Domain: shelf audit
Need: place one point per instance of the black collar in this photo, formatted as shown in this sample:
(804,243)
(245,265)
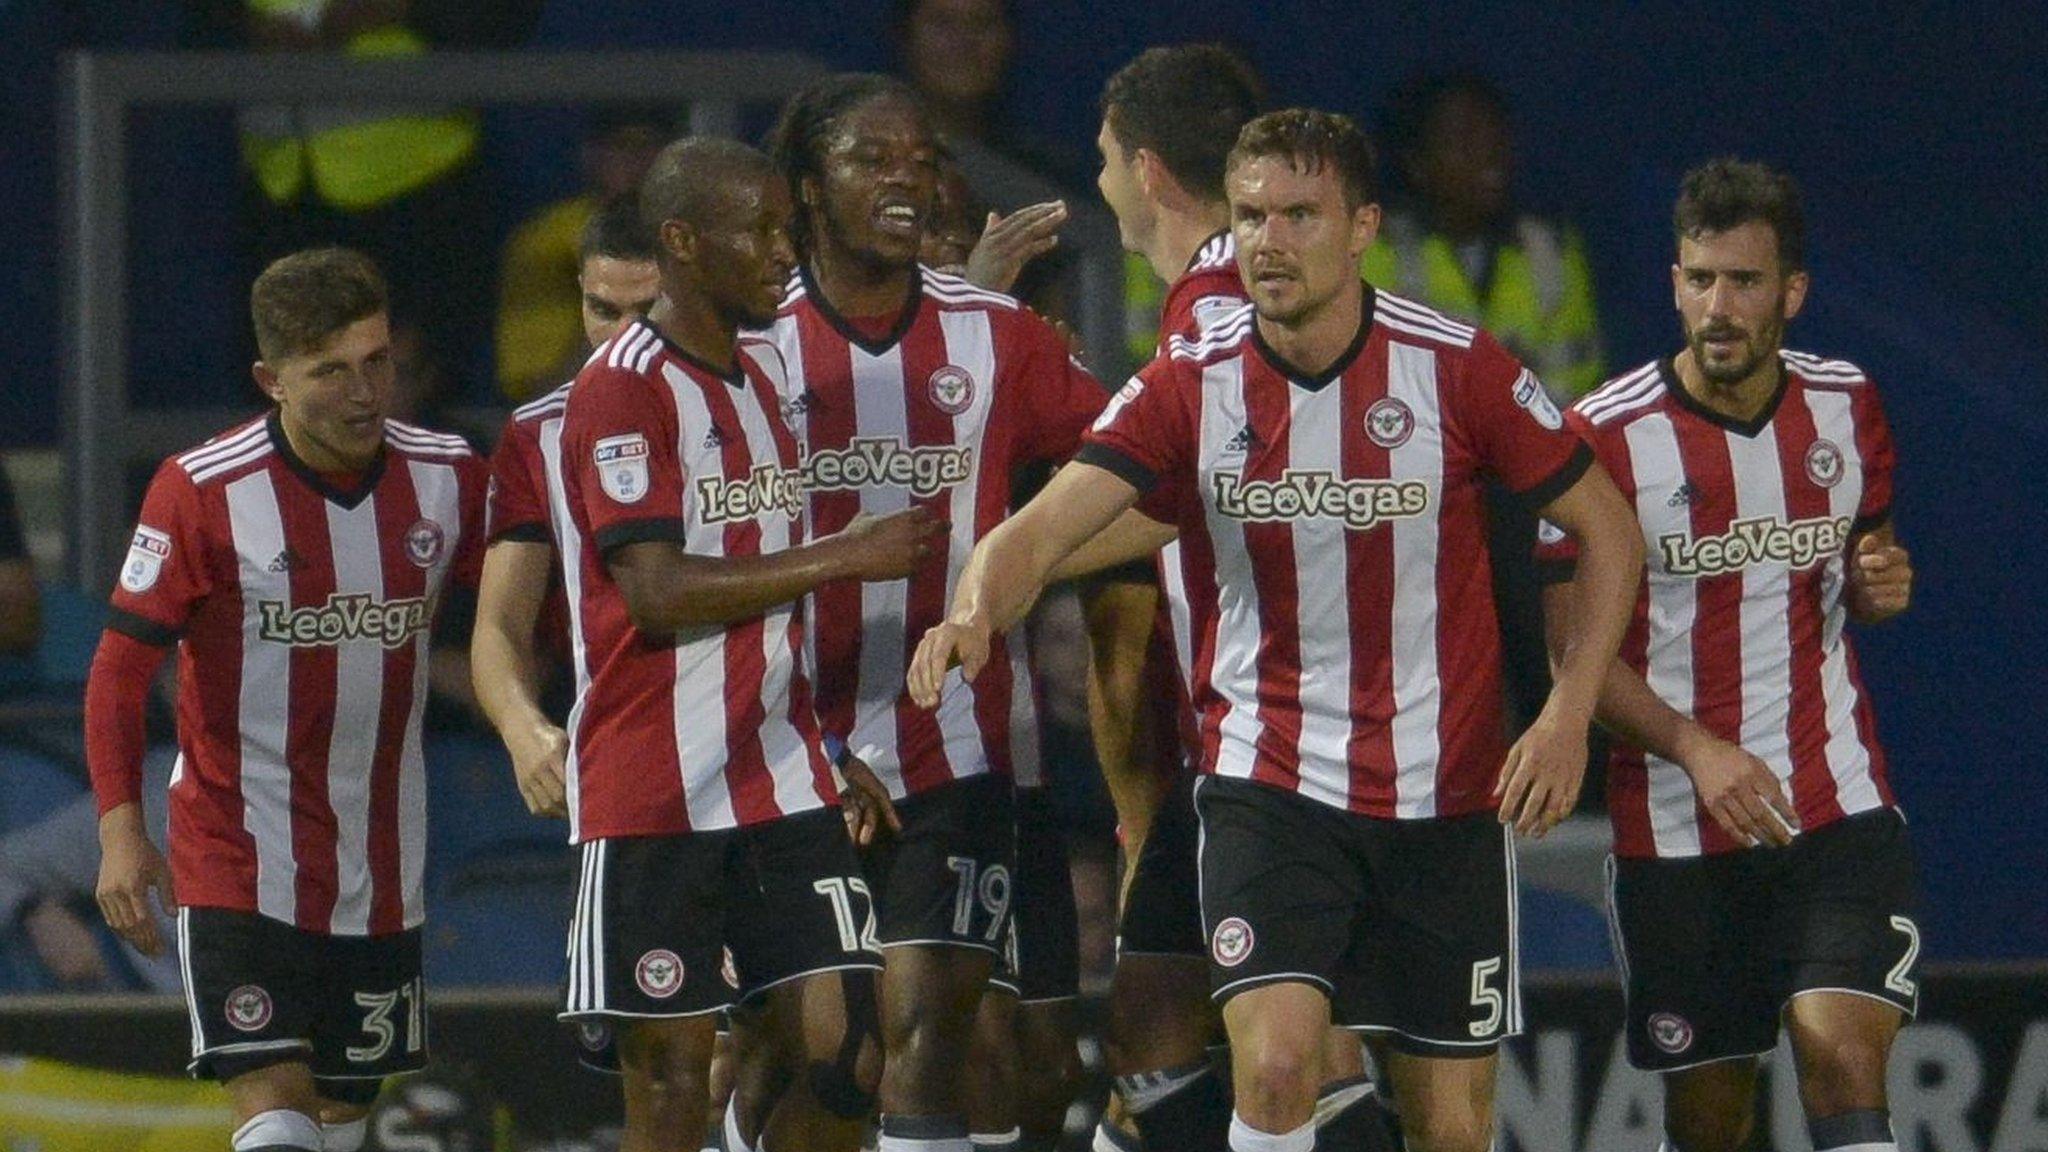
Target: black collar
(1318,381)
(904,319)
(1668,368)
(347,498)
(736,376)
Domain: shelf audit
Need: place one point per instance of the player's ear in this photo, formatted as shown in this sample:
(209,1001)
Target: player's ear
(678,239)
(267,380)
(1796,284)
(1365,228)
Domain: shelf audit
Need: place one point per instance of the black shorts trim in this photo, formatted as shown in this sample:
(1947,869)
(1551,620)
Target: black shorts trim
(1433,1049)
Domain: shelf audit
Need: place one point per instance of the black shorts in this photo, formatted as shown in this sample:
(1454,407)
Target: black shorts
(1713,947)
(1163,910)
(669,926)
(1042,961)
(946,877)
(260,992)
(1407,925)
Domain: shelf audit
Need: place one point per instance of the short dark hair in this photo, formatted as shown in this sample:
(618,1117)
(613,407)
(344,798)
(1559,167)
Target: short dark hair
(797,142)
(689,179)
(616,231)
(1727,193)
(1311,139)
(1185,104)
(303,299)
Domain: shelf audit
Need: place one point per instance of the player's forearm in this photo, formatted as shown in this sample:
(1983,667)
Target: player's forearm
(505,672)
(1134,536)
(1603,599)
(678,590)
(1628,707)
(1004,576)
(116,699)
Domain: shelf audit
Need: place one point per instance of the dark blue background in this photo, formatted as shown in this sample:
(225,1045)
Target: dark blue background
(1921,136)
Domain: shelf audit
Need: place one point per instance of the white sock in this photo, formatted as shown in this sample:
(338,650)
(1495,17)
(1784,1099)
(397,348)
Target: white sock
(1009,1141)
(734,1142)
(1245,1138)
(278,1128)
(347,1137)
(923,1134)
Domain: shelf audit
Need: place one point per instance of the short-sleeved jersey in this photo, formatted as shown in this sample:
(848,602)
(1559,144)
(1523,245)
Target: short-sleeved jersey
(938,413)
(712,726)
(1209,290)
(300,612)
(526,481)
(1739,623)
(1333,526)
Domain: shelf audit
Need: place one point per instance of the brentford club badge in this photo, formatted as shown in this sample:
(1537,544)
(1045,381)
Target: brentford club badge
(1231,943)
(951,389)
(424,542)
(1824,463)
(1389,423)
(1670,1033)
(659,973)
(248,1008)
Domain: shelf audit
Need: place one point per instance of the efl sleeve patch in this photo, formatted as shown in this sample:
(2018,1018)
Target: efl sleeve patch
(622,467)
(146,555)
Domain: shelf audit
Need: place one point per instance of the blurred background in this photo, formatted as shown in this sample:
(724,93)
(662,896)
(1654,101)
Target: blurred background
(142,187)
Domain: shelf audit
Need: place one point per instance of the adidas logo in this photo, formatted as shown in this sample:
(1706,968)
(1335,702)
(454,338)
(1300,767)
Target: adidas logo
(1683,496)
(716,438)
(286,561)
(1244,441)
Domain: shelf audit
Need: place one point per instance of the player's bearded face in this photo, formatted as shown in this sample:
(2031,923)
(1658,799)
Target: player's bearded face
(879,175)
(333,399)
(1298,243)
(748,257)
(1734,300)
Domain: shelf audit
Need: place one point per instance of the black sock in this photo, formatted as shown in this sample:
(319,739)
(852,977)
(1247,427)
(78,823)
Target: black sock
(1865,1128)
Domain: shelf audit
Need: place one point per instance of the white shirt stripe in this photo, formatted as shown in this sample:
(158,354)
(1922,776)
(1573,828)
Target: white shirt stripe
(1418,692)
(358,700)
(1653,450)
(265,701)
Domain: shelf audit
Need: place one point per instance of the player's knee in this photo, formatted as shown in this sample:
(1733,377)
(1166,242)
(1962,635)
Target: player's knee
(1278,1077)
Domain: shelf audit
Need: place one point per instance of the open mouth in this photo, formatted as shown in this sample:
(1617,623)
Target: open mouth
(898,219)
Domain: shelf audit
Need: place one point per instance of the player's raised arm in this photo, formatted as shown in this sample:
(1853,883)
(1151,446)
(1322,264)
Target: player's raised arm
(1011,564)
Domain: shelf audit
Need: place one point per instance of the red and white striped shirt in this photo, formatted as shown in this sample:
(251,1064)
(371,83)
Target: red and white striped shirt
(1739,622)
(1209,290)
(301,612)
(526,488)
(711,727)
(939,412)
(1333,528)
